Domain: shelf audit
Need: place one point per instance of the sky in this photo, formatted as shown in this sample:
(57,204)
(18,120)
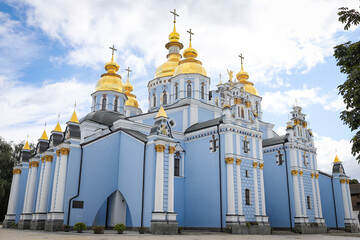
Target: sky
(52,54)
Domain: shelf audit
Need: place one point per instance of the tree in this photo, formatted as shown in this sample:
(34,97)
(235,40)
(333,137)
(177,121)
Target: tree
(354,181)
(7,162)
(347,56)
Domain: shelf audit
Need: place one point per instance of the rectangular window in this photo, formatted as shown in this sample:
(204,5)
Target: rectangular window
(177,167)
(308,202)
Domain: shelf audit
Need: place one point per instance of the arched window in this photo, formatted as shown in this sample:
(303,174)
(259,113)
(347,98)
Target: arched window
(176,91)
(188,90)
(202,91)
(177,164)
(154,100)
(247,197)
(242,113)
(116,104)
(164,98)
(308,202)
(103,105)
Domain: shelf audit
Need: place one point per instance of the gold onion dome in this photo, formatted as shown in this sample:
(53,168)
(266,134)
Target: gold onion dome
(243,77)
(173,58)
(131,101)
(190,64)
(110,80)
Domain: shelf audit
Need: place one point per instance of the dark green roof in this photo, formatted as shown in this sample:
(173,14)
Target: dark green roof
(206,124)
(275,140)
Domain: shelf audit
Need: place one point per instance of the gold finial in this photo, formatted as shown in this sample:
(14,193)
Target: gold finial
(112,55)
(220,78)
(175,15)
(161,113)
(230,75)
(190,33)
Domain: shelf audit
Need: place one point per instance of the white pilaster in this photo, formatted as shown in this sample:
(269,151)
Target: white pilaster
(314,195)
(256,190)
(42,208)
(27,189)
(344,197)
(348,195)
(318,194)
(159,178)
(32,187)
(230,185)
(296,193)
(40,185)
(303,195)
(185,119)
(55,181)
(14,191)
(60,193)
(262,189)
(171,180)
(196,88)
(194,118)
(253,149)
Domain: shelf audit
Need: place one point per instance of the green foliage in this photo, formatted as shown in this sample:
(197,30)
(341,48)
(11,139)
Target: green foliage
(98,229)
(142,229)
(314,225)
(79,227)
(354,181)
(180,228)
(66,227)
(249,224)
(120,227)
(347,56)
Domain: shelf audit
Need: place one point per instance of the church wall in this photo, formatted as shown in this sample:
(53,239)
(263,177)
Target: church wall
(179,197)
(327,201)
(98,179)
(205,115)
(72,177)
(276,192)
(22,188)
(202,198)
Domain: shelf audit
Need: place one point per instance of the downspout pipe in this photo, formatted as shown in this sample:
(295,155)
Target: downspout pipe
(220,189)
(287,183)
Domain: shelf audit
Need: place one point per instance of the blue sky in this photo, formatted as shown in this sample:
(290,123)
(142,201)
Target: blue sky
(52,54)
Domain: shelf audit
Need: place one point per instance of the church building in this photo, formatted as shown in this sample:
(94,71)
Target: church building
(198,158)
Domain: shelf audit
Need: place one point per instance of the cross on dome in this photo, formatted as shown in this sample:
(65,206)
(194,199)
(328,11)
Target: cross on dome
(190,33)
(175,15)
(241,57)
(113,49)
(128,70)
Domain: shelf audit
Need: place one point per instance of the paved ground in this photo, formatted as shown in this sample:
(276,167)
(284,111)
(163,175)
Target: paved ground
(13,234)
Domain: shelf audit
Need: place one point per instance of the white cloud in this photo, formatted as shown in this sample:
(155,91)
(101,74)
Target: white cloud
(327,148)
(281,102)
(27,107)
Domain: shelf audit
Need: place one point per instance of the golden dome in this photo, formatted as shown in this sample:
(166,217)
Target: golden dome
(110,80)
(168,67)
(190,64)
(243,77)
(131,101)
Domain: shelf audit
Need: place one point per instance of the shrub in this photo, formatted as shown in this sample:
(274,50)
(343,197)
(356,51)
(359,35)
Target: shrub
(66,227)
(79,227)
(98,229)
(142,229)
(249,224)
(314,224)
(120,228)
(180,228)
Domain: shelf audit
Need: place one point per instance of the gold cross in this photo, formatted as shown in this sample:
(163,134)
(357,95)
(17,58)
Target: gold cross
(241,57)
(175,15)
(191,33)
(128,70)
(113,49)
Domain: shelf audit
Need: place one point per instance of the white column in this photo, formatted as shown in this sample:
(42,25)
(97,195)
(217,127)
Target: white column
(32,187)
(262,189)
(196,88)
(230,185)
(261,151)
(159,178)
(349,198)
(253,149)
(256,190)
(296,193)
(55,181)
(344,197)
(60,193)
(239,192)
(40,185)
(303,194)
(14,191)
(45,185)
(171,180)
(27,188)
(314,195)
(318,194)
